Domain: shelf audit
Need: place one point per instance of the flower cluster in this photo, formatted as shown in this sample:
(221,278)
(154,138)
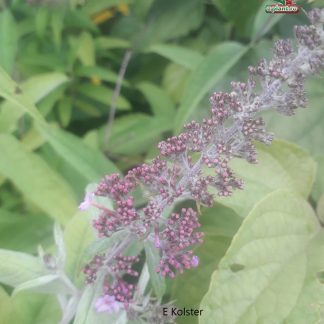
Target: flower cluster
(124,212)
(117,292)
(195,163)
(175,240)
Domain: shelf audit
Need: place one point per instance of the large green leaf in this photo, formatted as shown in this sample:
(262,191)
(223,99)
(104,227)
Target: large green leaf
(32,308)
(263,22)
(318,188)
(13,93)
(86,50)
(268,273)
(5,307)
(181,55)
(239,11)
(204,77)
(175,80)
(281,166)
(99,72)
(152,260)
(105,43)
(17,268)
(8,40)
(320,208)
(219,225)
(159,100)
(78,235)
(103,95)
(90,163)
(24,232)
(169,19)
(35,89)
(35,179)
(134,133)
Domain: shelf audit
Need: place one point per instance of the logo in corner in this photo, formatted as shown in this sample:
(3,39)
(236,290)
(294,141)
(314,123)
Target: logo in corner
(282,7)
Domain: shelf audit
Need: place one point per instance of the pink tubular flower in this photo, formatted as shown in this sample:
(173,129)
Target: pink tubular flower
(108,303)
(195,261)
(86,203)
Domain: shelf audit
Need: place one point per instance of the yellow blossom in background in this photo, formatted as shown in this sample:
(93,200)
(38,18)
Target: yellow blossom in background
(123,8)
(95,80)
(107,14)
(103,16)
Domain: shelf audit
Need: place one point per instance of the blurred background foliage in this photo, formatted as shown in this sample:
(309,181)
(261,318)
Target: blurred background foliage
(66,58)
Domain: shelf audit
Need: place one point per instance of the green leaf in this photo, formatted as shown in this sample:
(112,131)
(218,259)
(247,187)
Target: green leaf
(78,235)
(65,111)
(239,11)
(33,90)
(320,208)
(32,308)
(135,133)
(318,188)
(263,22)
(100,72)
(159,101)
(310,301)
(32,140)
(169,19)
(6,307)
(265,267)
(281,166)
(219,224)
(8,40)
(90,163)
(48,284)
(142,282)
(103,94)
(24,232)
(185,57)
(56,23)
(36,180)
(101,245)
(17,268)
(39,86)
(13,93)
(207,73)
(105,43)
(86,50)
(152,260)
(41,21)
(175,80)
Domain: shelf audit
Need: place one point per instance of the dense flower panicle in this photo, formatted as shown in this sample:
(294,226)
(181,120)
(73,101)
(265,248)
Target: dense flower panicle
(123,264)
(116,289)
(176,241)
(122,291)
(92,268)
(158,179)
(196,163)
(124,211)
(117,293)
(114,187)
